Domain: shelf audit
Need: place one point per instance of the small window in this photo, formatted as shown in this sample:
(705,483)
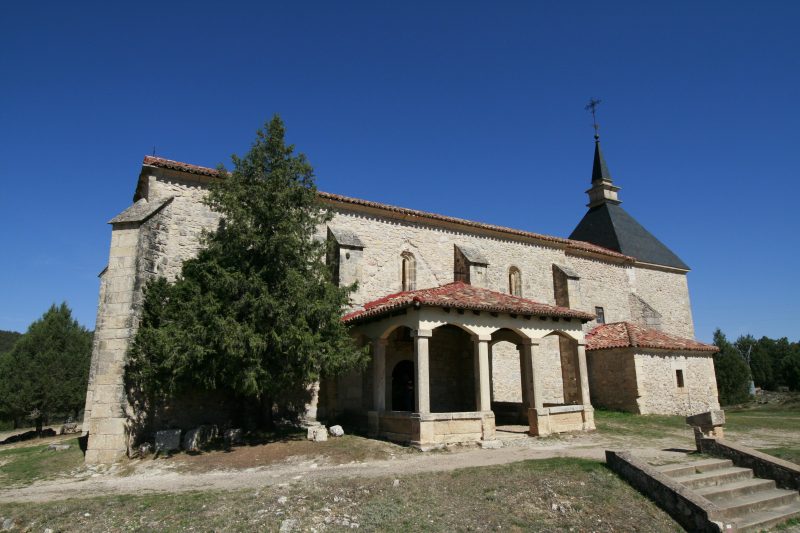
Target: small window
(408,271)
(514,282)
(601,315)
(679,378)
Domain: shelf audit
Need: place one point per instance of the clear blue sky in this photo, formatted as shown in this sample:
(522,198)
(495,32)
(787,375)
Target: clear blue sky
(471,109)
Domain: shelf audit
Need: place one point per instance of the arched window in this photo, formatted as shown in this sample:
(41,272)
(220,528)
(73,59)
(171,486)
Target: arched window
(514,281)
(408,271)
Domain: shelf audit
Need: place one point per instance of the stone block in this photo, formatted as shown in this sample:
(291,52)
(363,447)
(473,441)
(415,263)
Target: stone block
(317,434)
(233,436)
(715,417)
(196,439)
(336,431)
(168,440)
(111,426)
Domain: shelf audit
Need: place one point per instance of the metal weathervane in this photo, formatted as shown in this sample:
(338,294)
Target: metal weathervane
(592,108)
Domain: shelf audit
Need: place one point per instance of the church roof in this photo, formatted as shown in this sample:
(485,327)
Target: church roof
(459,295)
(610,226)
(626,334)
(569,244)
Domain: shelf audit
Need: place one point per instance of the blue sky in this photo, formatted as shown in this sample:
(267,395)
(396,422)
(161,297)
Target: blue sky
(471,109)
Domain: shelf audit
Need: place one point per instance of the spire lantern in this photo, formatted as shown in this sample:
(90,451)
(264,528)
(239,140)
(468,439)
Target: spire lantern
(603,190)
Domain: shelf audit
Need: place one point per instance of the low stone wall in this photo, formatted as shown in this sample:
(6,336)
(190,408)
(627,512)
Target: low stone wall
(691,511)
(785,474)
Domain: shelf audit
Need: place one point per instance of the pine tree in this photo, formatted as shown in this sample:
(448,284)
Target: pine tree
(732,372)
(256,314)
(47,370)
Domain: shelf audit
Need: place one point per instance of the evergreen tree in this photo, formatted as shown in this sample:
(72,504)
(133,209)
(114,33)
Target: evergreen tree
(732,372)
(47,370)
(7,340)
(256,314)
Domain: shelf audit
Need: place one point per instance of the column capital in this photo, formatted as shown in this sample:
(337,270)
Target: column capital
(482,338)
(424,333)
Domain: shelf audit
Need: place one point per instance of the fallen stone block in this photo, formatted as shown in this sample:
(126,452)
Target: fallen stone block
(168,440)
(318,434)
(336,431)
(58,447)
(199,437)
(233,436)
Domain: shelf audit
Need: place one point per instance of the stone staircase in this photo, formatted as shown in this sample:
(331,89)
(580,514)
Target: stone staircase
(754,504)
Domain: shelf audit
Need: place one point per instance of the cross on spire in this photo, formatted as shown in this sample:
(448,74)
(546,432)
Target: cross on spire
(592,108)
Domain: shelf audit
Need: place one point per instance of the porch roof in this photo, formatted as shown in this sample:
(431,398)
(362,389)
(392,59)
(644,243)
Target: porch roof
(626,334)
(459,295)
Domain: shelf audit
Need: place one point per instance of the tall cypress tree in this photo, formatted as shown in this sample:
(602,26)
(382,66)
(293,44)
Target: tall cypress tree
(47,370)
(256,314)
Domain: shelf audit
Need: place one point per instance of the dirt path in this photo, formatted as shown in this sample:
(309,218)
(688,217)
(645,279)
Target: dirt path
(158,476)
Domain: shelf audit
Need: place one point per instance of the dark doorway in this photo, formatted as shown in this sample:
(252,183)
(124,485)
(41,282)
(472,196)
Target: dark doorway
(403,386)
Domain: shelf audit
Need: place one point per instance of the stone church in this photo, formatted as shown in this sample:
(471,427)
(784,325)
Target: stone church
(471,325)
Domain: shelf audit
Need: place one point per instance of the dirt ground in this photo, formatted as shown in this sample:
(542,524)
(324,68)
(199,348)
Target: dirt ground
(295,461)
(273,464)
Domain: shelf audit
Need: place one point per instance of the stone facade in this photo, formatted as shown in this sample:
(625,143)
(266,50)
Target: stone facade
(646,381)
(165,225)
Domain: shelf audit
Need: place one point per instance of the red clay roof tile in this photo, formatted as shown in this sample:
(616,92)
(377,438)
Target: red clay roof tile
(459,295)
(626,334)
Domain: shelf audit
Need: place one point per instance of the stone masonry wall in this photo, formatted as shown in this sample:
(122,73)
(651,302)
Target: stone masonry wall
(612,375)
(506,380)
(657,383)
(668,294)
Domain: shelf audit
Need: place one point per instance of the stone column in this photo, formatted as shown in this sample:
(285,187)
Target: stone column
(379,374)
(538,415)
(532,389)
(583,376)
(483,390)
(422,400)
(525,378)
(583,379)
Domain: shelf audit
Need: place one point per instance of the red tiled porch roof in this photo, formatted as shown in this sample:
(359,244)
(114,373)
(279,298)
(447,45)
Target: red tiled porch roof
(570,244)
(459,295)
(626,334)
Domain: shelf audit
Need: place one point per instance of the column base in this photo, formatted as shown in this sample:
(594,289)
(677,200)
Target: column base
(560,419)
(373,424)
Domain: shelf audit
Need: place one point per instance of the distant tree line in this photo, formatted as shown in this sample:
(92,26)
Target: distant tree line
(44,372)
(770,363)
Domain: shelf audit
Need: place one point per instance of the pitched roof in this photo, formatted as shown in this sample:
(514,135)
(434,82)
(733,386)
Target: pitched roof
(140,211)
(626,334)
(574,245)
(610,226)
(459,295)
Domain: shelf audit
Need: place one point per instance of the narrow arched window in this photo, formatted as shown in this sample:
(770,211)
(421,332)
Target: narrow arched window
(514,281)
(408,271)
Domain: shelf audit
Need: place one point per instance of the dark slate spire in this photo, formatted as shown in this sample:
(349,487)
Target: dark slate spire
(599,169)
(603,190)
(608,225)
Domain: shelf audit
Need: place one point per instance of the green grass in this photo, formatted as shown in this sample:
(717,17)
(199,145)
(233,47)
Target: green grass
(783,417)
(547,495)
(619,423)
(24,465)
(788,453)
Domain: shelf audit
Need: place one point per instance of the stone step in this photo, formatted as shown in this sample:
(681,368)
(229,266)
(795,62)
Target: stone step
(734,489)
(693,467)
(715,477)
(757,501)
(765,519)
